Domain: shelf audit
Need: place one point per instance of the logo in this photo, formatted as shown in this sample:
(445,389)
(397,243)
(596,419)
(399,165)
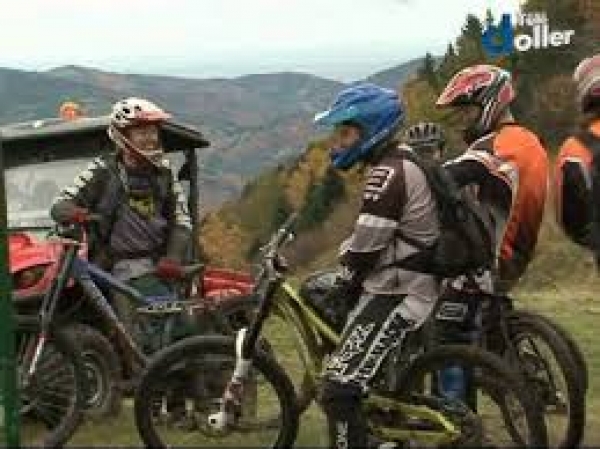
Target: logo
(352,346)
(500,40)
(144,206)
(378,181)
(341,440)
(452,311)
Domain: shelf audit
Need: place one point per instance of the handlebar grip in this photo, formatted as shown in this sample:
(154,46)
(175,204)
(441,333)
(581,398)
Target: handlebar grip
(94,218)
(284,231)
(290,222)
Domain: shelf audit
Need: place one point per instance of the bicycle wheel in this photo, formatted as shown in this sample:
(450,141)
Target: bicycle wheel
(183,388)
(306,394)
(479,412)
(550,371)
(574,349)
(51,397)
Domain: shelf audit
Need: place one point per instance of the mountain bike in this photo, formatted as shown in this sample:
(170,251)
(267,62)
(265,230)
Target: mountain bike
(163,318)
(539,349)
(543,352)
(220,414)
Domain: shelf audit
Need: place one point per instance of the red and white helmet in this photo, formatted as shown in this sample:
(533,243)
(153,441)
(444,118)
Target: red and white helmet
(486,86)
(132,112)
(587,80)
(135,111)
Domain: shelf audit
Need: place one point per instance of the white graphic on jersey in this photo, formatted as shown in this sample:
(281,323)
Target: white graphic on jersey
(353,346)
(379,180)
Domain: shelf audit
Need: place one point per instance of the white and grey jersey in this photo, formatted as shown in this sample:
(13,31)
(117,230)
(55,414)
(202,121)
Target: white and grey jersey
(396,199)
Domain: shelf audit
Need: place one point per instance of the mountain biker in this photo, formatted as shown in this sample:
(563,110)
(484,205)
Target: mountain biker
(145,227)
(507,167)
(574,167)
(505,161)
(391,301)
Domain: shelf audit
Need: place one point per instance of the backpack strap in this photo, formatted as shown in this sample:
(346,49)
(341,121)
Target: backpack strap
(439,180)
(419,260)
(443,187)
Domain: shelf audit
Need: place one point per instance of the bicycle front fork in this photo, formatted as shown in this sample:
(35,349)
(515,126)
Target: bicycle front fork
(231,401)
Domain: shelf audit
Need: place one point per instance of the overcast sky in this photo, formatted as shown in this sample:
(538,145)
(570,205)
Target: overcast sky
(203,38)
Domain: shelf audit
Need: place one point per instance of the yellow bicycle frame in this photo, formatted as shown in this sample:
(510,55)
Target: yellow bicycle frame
(312,333)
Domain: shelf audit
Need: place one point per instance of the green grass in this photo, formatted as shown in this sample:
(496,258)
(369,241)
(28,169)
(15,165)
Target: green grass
(574,308)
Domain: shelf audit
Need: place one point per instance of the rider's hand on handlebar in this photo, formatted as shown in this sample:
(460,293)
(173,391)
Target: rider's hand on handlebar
(79,215)
(168,268)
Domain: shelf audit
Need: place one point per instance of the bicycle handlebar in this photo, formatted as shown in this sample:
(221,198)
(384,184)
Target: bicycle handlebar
(280,237)
(94,218)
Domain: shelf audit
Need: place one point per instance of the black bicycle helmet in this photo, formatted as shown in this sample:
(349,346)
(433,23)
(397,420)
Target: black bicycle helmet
(425,134)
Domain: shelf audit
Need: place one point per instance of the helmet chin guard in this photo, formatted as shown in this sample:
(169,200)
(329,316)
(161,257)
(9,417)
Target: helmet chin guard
(124,144)
(132,112)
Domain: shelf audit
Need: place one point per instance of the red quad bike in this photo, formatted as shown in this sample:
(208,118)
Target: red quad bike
(40,158)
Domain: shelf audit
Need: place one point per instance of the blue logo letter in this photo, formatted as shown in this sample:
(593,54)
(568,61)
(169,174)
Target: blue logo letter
(498,40)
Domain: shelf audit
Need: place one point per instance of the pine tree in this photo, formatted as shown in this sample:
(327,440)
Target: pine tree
(448,65)
(473,27)
(428,71)
(470,47)
(321,199)
(489,18)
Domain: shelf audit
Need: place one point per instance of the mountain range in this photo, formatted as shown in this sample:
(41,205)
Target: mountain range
(252,121)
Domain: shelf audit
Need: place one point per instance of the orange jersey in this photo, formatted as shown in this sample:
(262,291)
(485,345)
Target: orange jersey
(510,167)
(522,150)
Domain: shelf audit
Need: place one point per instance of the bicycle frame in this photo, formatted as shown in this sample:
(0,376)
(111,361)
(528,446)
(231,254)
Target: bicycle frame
(311,334)
(88,277)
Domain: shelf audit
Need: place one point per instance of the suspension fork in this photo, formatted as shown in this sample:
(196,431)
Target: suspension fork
(498,311)
(48,307)
(245,347)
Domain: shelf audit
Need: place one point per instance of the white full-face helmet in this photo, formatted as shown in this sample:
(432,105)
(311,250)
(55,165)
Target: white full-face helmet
(132,112)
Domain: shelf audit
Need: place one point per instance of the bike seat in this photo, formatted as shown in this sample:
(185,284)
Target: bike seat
(189,272)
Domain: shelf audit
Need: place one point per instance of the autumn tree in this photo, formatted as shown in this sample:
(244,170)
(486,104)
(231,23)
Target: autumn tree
(321,199)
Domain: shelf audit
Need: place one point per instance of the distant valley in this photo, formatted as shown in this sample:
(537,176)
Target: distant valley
(252,121)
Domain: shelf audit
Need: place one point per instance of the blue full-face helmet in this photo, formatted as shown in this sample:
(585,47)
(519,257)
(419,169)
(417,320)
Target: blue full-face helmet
(377,111)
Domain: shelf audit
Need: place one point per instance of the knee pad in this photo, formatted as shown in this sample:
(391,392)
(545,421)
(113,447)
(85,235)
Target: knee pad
(334,391)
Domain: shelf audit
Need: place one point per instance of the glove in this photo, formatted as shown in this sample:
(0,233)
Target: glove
(168,268)
(342,298)
(79,215)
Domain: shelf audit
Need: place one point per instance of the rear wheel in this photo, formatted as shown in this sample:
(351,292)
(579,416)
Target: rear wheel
(574,349)
(479,412)
(102,372)
(551,372)
(51,397)
(181,393)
